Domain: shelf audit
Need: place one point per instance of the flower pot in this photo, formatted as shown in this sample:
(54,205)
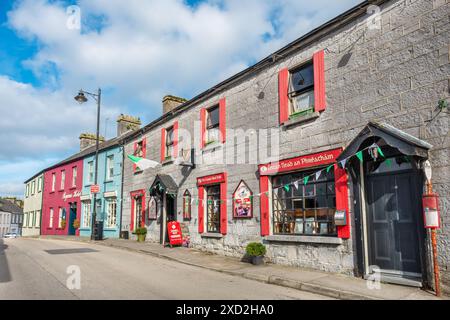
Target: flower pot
(141,237)
(257,260)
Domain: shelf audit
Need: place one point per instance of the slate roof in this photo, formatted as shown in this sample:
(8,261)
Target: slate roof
(8,206)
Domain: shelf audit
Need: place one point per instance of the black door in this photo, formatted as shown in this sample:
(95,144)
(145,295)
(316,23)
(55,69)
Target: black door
(393,215)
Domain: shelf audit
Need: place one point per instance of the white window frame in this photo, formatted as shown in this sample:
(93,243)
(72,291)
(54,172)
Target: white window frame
(53,181)
(33,187)
(51,217)
(109,167)
(63,180)
(86,213)
(91,172)
(39,183)
(38,219)
(74,176)
(111,220)
(27,190)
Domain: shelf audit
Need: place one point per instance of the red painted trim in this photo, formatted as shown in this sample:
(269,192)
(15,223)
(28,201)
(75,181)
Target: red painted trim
(201,209)
(319,81)
(211,179)
(341,185)
(222,119)
(264,205)
(283,85)
(132,195)
(202,127)
(298,163)
(163,144)
(223,206)
(175,140)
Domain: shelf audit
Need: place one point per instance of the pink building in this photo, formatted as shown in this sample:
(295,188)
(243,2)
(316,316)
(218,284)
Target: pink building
(61,199)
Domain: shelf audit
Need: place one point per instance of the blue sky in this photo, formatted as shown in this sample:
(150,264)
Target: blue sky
(137,51)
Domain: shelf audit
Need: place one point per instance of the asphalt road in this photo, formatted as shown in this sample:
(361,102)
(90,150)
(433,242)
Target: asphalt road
(40,269)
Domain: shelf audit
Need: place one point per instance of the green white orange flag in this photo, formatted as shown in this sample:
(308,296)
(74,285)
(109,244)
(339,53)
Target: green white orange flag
(143,163)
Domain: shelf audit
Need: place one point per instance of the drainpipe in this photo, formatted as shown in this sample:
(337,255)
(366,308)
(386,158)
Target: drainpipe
(121,190)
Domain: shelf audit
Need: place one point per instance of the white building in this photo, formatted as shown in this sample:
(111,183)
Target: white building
(32,207)
(11,216)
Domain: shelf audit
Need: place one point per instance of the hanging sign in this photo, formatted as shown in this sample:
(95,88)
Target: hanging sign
(175,235)
(242,201)
(311,160)
(95,188)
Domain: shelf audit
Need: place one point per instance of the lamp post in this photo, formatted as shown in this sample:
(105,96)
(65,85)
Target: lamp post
(81,98)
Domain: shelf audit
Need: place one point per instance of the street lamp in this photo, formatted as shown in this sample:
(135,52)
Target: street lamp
(81,98)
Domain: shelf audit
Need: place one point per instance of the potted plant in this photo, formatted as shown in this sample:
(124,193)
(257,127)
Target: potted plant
(76,224)
(256,252)
(63,224)
(141,234)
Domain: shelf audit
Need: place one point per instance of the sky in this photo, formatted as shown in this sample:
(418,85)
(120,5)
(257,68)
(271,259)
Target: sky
(137,51)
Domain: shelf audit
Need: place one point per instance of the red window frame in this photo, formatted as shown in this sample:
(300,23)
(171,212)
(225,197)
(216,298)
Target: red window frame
(134,194)
(163,141)
(222,122)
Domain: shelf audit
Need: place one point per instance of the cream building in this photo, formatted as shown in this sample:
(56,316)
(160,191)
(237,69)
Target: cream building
(33,205)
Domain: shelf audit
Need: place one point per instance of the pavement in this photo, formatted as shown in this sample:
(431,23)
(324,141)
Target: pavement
(332,285)
(70,270)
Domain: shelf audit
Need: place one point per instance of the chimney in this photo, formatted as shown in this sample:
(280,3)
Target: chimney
(88,139)
(126,123)
(171,102)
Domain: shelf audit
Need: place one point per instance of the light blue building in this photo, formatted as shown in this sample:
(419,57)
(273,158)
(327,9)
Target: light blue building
(109,179)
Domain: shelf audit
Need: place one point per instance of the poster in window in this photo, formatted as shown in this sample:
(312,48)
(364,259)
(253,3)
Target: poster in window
(152,209)
(242,201)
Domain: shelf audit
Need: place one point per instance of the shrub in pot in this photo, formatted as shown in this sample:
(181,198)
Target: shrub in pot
(256,252)
(141,234)
(76,224)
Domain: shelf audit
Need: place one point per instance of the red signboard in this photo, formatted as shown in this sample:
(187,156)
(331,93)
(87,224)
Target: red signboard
(95,188)
(212,179)
(175,235)
(311,160)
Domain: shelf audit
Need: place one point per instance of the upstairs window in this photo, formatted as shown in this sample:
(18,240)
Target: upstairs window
(33,187)
(91,171)
(63,179)
(212,125)
(110,167)
(27,192)
(53,181)
(74,177)
(301,90)
(40,184)
(139,151)
(169,143)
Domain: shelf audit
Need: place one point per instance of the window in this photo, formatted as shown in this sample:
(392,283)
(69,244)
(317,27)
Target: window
(169,142)
(50,218)
(53,181)
(187,205)
(32,219)
(301,90)
(139,151)
(27,190)
(74,177)
(40,184)
(212,124)
(213,209)
(25,220)
(308,209)
(109,167)
(63,179)
(33,187)
(86,210)
(91,171)
(111,207)
(137,209)
(60,217)
(38,219)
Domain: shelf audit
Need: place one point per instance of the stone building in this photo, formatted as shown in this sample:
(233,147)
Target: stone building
(32,208)
(343,118)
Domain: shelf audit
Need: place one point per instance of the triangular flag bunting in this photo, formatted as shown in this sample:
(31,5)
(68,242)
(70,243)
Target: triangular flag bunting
(287,188)
(305,180)
(389,162)
(380,152)
(329,167)
(318,173)
(296,184)
(360,155)
(342,163)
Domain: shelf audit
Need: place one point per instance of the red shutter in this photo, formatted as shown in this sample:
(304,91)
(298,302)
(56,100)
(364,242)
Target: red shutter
(202,127)
(201,209)
(163,144)
(222,119)
(175,140)
(134,153)
(319,81)
(132,212)
(264,205)
(341,186)
(223,206)
(283,84)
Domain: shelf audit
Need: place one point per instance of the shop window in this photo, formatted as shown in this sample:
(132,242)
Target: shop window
(111,207)
(187,205)
(137,209)
(213,209)
(306,210)
(50,218)
(301,90)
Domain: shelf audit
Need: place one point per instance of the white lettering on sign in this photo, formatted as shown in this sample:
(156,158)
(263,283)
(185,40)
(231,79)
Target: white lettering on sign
(76,194)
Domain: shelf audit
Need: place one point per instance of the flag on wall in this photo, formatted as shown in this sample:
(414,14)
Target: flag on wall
(143,163)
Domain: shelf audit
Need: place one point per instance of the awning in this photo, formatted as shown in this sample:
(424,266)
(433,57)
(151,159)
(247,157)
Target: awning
(404,142)
(164,183)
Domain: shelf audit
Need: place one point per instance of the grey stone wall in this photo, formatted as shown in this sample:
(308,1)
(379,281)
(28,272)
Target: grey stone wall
(395,74)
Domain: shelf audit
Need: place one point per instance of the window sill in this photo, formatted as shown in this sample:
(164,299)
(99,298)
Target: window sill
(108,181)
(304,239)
(212,146)
(212,235)
(167,161)
(301,119)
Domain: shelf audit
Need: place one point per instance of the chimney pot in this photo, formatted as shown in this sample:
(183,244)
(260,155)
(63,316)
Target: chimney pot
(170,102)
(126,123)
(88,139)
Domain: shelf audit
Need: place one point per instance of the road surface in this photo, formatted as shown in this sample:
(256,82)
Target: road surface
(41,268)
